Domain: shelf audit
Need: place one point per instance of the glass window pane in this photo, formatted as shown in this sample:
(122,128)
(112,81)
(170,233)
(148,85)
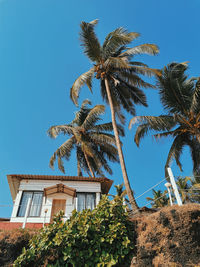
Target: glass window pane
(36,204)
(23,203)
(81,201)
(90,201)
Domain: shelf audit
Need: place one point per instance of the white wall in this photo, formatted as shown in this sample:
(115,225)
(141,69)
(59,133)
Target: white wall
(39,185)
(80,186)
(70,205)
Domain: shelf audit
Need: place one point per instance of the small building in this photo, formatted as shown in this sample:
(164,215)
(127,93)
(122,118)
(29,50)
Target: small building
(37,198)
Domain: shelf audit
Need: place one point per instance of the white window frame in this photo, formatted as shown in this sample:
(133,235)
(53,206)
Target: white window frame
(33,192)
(85,194)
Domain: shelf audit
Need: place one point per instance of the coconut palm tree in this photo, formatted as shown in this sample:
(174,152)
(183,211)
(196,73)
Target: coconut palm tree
(93,143)
(195,189)
(120,192)
(159,199)
(119,77)
(184,188)
(180,97)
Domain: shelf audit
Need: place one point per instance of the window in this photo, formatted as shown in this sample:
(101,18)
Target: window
(86,201)
(35,206)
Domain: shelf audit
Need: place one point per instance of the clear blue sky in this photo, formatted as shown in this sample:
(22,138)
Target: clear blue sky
(40,57)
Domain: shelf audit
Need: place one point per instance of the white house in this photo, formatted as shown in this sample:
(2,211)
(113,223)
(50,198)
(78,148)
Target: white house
(37,198)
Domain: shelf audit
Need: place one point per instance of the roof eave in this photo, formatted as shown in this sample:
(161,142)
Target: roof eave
(14,185)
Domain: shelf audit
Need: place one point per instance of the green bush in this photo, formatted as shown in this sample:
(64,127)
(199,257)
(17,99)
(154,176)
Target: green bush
(101,237)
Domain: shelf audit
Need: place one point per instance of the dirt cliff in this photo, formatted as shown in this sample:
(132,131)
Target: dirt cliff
(169,237)
(11,244)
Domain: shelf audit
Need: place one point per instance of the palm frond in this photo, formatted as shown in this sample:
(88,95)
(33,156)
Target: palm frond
(120,115)
(87,149)
(116,63)
(61,165)
(143,70)
(81,159)
(85,103)
(60,162)
(94,22)
(175,91)
(81,115)
(195,103)
(94,157)
(110,151)
(157,123)
(63,151)
(176,150)
(141,131)
(138,63)
(102,138)
(103,162)
(52,161)
(85,78)
(195,153)
(116,39)
(182,120)
(132,94)
(89,41)
(124,97)
(133,79)
(93,116)
(150,49)
(108,127)
(164,134)
(96,165)
(54,131)
(149,123)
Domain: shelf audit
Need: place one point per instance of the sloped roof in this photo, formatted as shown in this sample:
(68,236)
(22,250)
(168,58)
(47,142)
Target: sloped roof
(14,181)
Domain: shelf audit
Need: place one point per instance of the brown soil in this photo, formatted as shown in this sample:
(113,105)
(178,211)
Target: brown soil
(11,244)
(169,237)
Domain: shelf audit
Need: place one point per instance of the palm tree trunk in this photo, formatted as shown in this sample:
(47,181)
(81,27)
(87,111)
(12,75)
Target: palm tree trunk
(88,163)
(132,200)
(79,169)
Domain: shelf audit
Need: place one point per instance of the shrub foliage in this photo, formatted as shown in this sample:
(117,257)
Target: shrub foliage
(101,237)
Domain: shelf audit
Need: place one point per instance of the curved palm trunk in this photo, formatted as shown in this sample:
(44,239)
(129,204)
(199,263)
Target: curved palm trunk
(88,163)
(79,169)
(132,200)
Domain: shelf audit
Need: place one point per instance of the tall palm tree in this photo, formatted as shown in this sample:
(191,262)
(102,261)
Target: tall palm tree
(119,77)
(93,143)
(180,97)
(159,199)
